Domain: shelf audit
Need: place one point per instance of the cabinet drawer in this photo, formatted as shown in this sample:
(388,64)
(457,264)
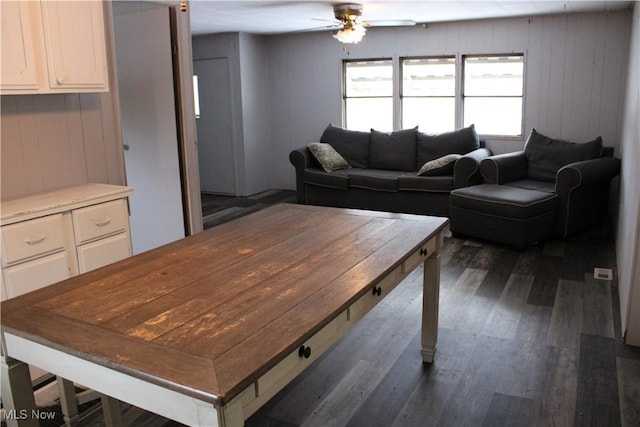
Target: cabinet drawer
(419,256)
(36,274)
(32,238)
(101,220)
(103,252)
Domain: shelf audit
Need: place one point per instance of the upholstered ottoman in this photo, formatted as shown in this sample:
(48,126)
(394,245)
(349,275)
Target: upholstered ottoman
(514,216)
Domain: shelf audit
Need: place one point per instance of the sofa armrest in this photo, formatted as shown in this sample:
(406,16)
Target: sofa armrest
(301,159)
(583,193)
(587,173)
(466,171)
(503,168)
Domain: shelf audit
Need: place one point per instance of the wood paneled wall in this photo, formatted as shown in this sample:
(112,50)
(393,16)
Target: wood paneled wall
(575,75)
(53,141)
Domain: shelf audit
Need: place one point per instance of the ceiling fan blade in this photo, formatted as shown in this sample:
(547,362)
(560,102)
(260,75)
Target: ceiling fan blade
(390,23)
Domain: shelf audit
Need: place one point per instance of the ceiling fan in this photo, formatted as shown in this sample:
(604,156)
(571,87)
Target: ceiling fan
(350,29)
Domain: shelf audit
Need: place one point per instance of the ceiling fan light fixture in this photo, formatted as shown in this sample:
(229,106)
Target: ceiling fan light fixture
(352,33)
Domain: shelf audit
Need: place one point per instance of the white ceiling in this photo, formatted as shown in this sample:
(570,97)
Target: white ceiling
(274,17)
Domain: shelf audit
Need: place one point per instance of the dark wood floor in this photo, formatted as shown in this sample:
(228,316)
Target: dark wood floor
(526,338)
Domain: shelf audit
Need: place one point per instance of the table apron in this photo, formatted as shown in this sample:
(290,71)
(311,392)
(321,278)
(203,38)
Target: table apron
(143,394)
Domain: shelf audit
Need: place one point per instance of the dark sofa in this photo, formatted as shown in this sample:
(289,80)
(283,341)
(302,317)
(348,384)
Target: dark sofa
(382,170)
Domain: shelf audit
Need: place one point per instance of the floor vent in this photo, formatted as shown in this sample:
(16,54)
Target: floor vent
(603,273)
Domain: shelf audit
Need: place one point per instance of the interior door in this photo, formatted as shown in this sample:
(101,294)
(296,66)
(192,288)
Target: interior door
(149,131)
(216,155)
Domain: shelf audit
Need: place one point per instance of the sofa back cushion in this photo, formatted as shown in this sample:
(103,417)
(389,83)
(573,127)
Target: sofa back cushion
(351,144)
(431,147)
(545,156)
(393,151)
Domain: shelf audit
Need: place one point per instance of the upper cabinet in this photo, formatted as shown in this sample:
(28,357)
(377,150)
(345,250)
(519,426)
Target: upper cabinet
(53,47)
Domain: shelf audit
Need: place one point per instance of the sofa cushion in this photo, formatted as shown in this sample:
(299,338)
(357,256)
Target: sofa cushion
(545,156)
(374,179)
(431,147)
(351,144)
(327,156)
(338,179)
(440,166)
(532,184)
(393,151)
(431,184)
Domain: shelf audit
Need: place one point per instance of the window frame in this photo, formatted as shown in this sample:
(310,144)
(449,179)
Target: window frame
(402,96)
(392,97)
(463,96)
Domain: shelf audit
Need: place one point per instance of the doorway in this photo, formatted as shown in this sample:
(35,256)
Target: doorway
(216,153)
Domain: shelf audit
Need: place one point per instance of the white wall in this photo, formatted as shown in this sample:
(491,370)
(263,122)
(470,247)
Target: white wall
(255,113)
(575,72)
(628,233)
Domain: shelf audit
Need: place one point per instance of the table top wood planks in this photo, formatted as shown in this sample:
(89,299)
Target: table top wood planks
(229,316)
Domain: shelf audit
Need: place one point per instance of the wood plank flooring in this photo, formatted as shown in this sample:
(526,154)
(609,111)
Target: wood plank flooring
(526,338)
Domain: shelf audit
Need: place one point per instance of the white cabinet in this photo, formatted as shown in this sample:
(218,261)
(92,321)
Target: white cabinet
(53,47)
(53,236)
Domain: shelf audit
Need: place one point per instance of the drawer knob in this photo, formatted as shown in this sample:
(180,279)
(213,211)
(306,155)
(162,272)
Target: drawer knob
(35,241)
(304,352)
(377,290)
(423,251)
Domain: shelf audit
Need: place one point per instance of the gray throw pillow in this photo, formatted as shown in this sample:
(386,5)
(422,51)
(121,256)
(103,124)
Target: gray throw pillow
(440,166)
(545,156)
(327,156)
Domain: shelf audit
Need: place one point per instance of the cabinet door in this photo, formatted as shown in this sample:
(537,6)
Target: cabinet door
(103,252)
(22,49)
(36,274)
(75,45)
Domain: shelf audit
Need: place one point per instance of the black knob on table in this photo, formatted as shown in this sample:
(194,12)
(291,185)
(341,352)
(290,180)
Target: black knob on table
(304,352)
(377,290)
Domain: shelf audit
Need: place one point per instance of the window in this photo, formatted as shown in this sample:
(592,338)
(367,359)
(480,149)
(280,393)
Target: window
(428,94)
(368,95)
(493,94)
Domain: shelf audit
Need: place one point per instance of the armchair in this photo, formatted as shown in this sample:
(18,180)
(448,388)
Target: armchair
(578,174)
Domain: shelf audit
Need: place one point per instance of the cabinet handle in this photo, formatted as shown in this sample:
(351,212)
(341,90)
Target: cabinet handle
(304,352)
(103,222)
(35,241)
(59,80)
(377,290)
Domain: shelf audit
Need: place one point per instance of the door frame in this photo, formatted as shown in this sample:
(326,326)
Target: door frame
(185,109)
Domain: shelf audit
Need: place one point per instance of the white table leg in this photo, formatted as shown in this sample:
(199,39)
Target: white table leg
(68,402)
(17,394)
(430,302)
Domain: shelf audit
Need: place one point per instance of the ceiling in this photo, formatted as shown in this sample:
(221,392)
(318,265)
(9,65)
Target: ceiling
(276,17)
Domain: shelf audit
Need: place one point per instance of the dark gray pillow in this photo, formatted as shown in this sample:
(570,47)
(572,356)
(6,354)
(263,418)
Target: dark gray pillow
(431,147)
(393,151)
(353,145)
(440,166)
(327,156)
(545,156)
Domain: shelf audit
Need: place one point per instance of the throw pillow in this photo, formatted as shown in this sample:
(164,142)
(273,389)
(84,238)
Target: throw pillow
(353,145)
(327,156)
(545,156)
(440,166)
(461,141)
(393,151)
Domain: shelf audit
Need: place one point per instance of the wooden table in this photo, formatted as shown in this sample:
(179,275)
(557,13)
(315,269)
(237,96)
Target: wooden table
(207,329)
